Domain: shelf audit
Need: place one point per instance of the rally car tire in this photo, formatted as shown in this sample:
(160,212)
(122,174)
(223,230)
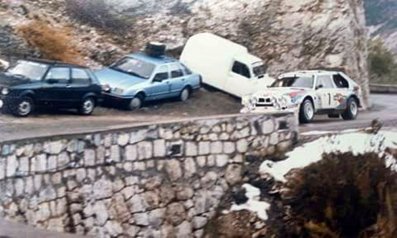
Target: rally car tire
(351,111)
(22,107)
(306,111)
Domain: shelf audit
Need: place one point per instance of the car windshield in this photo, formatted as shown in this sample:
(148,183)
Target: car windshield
(298,82)
(27,69)
(134,67)
(259,70)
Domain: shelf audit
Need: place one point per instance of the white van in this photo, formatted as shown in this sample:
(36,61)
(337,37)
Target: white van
(225,65)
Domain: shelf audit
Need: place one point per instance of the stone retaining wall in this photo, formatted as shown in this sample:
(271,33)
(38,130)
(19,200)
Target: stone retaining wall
(161,180)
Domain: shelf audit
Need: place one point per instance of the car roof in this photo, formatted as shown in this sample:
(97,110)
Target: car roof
(154,60)
(309,73)
(55,63)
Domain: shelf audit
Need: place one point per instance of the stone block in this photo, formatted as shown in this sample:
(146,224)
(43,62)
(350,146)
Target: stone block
(242,146)
(89,157)
(190,167)
(233,174)
(115,153)
(191,149)
(123,139)
(274,139)
(222,160)
(199,222)
(229,147)
(12,165)
(160,149)
(216,147)
(173,169)
(268,126)
(131,153)
(145,150)
(201,161)
(204,148)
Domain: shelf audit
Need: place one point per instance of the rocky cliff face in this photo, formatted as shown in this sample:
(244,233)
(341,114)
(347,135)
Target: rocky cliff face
(287,35)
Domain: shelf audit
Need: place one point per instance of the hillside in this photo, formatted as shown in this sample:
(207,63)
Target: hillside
(287,35)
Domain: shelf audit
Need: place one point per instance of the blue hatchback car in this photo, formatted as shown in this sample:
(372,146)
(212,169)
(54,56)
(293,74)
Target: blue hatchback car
(142,77)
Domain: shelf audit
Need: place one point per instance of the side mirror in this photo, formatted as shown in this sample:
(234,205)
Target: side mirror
(52,81)
(319,86)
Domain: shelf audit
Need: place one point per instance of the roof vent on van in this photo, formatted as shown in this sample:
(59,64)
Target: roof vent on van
(155,49)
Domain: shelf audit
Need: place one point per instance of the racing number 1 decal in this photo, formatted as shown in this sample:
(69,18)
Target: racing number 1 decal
(330,100)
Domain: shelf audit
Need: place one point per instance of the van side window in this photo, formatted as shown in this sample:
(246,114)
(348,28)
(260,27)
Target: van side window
(340,81)
(241,69)
(176,71)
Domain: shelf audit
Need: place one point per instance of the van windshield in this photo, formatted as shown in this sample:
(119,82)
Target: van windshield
(298,82)
(259,70)
(134,67)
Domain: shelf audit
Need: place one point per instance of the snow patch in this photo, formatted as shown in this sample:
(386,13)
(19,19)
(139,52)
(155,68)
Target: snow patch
(357,143)
(253,204)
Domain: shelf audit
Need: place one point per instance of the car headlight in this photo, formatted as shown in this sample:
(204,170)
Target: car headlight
(118,91)
(5,91)
(106,88)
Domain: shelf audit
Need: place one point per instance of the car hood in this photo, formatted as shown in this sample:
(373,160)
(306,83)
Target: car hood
(281,91)
(8,80)
(116,79)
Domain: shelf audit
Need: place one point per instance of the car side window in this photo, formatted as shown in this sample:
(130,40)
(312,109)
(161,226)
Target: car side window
(241,69)
(80,76)
(176,71)
(58,75)
(324,81)
(162,74)
(340,81)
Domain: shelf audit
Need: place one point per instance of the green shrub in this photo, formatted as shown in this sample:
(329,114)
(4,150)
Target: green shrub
(343,196)
(382,64)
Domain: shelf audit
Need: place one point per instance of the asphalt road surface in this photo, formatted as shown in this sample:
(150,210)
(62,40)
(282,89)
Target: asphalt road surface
(203,103)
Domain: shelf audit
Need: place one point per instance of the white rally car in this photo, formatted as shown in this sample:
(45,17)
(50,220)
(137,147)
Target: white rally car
(308,93)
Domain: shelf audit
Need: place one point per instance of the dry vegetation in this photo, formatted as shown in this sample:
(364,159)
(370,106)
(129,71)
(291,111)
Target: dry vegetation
(52,43)
(343,196)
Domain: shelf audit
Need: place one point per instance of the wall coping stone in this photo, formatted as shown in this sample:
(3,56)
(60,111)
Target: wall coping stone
(127,127)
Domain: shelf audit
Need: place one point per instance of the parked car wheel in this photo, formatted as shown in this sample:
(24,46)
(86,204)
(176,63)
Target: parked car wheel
(306,111)
(185,94)
(23,107)
(351,111)
(87,106)
(136,102)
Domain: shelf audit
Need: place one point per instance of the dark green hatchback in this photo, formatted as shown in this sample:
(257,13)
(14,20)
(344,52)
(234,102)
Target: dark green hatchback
(31,83)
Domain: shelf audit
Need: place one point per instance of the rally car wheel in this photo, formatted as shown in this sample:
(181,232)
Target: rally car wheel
(23,107)
(306,111)
(351,111)
(185,95)
(87,106)
(136,103)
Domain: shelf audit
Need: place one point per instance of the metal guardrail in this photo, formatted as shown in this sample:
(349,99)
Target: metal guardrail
(383,88)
